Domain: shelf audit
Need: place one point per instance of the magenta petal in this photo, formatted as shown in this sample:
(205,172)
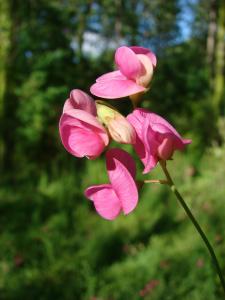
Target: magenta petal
(122,181)
(81,142)
(151,145)
(112,89)
(124,157)
(80,100)
(86,118)
(128,63)
(142,50)
(106,202)
(166,148)
(86,143)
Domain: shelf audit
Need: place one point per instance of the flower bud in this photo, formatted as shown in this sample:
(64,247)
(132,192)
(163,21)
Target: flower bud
(119,128)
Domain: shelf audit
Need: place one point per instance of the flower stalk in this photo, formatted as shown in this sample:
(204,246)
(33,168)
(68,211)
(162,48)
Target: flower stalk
(195,223)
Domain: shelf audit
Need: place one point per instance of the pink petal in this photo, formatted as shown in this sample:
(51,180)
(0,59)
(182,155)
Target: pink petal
(87,119)
(124,157)
(122,181)
(151,145)
(187,141)
(127,62)
(80,100)
(105,200)
(111,75)
(81,142)
(157,123)
(166,148)
(142,50)
(67,105)
(155,137)
(115,88)
(146,145)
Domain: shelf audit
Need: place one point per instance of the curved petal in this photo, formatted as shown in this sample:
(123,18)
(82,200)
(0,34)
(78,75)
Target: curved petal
(81,142)
(166,148)
(142,50)
(127,62)
(67,105)
(106,202)
(124,157)
(111,75)
(87,120)
(112,89)
(151,145)
(121,179)
(145,146)
(187,141)
(80,100)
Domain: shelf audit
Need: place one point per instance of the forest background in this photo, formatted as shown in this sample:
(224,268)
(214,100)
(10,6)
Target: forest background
(53,245)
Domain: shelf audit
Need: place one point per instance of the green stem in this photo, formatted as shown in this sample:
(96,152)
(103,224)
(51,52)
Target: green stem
(195,223)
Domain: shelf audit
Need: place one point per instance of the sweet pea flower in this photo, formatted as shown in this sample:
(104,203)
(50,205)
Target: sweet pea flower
(156,139)
(135,69)
(122,193)
(118,127)
(80,131)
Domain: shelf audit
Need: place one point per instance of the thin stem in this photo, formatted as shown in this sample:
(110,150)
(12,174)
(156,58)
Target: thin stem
(161,181)
(195,223)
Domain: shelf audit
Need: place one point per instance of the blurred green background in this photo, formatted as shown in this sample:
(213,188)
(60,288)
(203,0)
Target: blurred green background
(53,245)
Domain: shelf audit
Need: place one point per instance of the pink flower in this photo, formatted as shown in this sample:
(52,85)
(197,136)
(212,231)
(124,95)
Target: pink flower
(80,131)
(121,194)
(156,139)
(135,70)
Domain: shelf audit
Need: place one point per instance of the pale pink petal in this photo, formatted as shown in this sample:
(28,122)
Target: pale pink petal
(142,50)
(80,100)
(122,181)
(68,105)
(115,88)
(111,75)
(187,141)
(121,130)
(105,200)
(127,62)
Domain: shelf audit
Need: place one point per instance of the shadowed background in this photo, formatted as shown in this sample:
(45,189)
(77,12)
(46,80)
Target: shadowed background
(53,245)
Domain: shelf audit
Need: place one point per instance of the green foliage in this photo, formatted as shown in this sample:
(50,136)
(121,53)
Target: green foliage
(53,244)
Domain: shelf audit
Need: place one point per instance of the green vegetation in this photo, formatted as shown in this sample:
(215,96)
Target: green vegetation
(53,244)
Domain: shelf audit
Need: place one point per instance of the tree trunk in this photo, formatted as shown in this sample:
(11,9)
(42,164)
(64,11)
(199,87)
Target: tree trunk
(218,84)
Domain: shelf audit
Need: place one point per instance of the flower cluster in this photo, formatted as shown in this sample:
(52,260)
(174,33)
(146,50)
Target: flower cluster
(87,126)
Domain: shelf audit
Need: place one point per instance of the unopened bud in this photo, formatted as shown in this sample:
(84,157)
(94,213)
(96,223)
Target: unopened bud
(119,128)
